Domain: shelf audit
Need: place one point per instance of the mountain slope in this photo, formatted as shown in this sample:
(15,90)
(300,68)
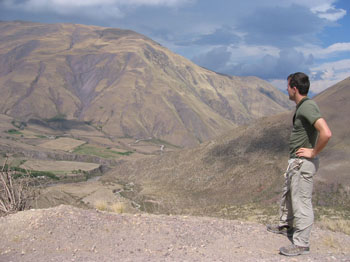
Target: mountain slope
(122,83)
(243,166)
(333,177)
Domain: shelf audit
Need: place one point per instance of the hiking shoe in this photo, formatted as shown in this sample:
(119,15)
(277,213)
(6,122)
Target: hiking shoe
(294,250)
(284,230)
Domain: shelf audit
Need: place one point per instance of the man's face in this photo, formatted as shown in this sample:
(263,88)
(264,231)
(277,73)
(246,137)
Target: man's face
(291,91)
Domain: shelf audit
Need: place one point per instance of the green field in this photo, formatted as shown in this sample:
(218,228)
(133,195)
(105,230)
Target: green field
(87,149)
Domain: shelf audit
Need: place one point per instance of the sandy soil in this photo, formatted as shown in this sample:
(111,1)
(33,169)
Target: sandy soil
(66,233)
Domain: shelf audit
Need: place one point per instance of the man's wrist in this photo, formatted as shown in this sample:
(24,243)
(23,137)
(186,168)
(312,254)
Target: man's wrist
(313,153)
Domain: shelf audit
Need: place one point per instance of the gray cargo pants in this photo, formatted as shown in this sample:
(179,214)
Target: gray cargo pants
(296,205)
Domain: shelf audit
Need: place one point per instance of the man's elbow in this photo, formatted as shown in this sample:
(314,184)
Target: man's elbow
(328,134)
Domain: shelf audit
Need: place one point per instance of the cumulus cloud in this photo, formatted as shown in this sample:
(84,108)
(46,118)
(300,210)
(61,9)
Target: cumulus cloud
(82,3)
(221,36)
(332,50)
(268,66)
(103,9)
(216,59)
(329,12)
(336,50)
(282,26)
(331,71)
(288,60)
(322,76)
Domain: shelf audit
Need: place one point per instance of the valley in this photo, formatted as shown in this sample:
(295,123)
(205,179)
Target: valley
(108,119)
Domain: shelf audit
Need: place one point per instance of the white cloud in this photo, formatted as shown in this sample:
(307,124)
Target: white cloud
(329,12)
(98,9)
(328,74)
(337,47)
(257,51)
(154,2)
(332,14)
(322,53)
(318,86)
(338,65)
(323,75)
(92,3)
(323,8)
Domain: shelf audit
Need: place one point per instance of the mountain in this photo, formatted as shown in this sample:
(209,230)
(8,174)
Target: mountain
(333,177)
(243,166)
(123,84)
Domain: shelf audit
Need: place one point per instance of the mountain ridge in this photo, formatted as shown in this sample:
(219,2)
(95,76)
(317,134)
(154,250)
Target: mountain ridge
(123,83)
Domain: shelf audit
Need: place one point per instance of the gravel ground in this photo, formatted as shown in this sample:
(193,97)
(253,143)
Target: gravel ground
(66,233)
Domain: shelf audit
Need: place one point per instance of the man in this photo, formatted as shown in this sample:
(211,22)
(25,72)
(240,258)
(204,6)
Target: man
(309,136)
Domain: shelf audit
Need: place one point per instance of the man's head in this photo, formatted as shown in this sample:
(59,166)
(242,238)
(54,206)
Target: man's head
(300,81)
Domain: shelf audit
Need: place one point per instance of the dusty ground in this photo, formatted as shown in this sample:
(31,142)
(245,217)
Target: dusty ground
(66,233)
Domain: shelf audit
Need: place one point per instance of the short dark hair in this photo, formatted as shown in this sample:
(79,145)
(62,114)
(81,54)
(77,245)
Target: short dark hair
(300,81)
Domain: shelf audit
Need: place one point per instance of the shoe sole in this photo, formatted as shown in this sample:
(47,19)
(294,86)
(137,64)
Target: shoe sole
(293,254)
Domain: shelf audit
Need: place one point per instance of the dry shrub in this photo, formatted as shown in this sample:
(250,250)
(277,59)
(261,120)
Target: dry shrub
(101,205)
(15,191)
(336,225)
(118,207)
(115,207)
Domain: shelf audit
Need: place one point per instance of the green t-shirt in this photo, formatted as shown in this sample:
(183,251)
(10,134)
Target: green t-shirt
(304,134)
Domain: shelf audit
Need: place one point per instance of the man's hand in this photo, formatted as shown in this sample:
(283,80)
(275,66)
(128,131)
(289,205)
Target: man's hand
(323,138)
(306,152)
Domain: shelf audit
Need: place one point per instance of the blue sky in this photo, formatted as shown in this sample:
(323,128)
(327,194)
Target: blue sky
(265,38)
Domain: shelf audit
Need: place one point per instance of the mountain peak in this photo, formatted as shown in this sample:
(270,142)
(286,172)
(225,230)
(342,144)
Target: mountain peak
(123,83)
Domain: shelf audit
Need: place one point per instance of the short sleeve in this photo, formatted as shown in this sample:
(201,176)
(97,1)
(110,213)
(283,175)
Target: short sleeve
(311,112)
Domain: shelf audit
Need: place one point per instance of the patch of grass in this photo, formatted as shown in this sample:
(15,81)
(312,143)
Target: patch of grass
(99,151)
(13,131)
(16,162)
(127,153)
(118,207)
(336,219)
(101,205)
(336,225)
(41,136)
(32,173)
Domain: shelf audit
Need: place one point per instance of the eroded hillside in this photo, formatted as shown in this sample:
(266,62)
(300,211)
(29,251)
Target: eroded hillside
(122,83)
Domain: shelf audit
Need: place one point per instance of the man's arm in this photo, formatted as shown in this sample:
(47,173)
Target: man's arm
(324,135)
